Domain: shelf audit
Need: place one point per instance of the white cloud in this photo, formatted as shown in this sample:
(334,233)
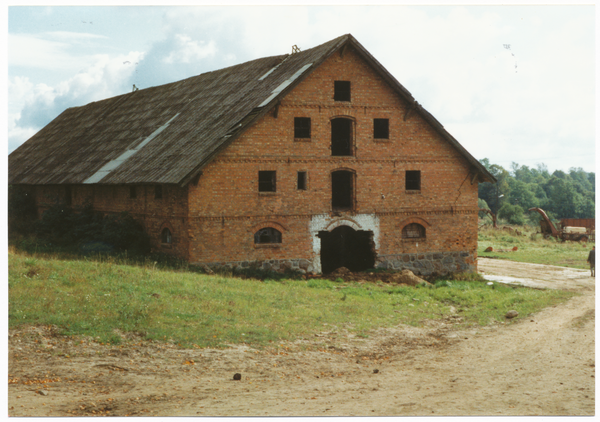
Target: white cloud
(51,50)
(20,90)
(34,106)
(189,51)
(72,36)
(31,51)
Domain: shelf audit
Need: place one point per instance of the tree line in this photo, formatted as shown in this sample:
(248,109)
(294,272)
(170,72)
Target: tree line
(560,194)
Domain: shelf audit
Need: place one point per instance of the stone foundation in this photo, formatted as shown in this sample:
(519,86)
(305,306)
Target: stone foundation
(428,263)
(420,264)
(300,265)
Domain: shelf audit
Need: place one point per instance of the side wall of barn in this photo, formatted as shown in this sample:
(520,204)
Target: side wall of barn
(157,208)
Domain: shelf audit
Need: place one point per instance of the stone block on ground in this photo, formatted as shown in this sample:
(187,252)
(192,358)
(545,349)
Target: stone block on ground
(407,277)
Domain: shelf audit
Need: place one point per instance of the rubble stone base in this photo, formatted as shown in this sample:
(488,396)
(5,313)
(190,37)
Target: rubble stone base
(420,264)
(428,263)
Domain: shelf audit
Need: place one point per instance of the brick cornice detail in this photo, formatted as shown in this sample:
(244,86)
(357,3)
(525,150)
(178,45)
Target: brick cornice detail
(353,106)
(287,160)
(272,217)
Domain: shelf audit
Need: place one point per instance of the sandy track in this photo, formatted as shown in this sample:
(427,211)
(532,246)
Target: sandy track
(537,275)
(543,365)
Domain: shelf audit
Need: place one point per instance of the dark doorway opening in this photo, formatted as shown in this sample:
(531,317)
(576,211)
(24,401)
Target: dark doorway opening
(346,247)
(341,137)
(342,190)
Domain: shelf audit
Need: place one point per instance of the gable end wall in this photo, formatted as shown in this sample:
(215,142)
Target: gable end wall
(225,206)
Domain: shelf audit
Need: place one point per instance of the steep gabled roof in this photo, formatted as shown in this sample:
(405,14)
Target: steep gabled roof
(168,133)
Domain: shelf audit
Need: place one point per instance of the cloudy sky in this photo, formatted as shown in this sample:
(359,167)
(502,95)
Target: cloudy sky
(510,83)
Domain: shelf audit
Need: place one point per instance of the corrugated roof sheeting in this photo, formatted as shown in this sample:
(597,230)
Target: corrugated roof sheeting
(201,111)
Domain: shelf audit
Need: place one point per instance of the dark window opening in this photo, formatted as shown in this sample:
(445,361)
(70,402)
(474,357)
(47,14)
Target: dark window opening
(381,128)
(166,236)
(413,180)
(342,190)
(267,235)
(68,196)
(302,127)
(132,192)
(341,90)
(413,231)
(301,180)
(158,193)
(267,181)
(346,247)
(341,137)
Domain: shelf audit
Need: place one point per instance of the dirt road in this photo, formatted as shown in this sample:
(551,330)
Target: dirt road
(542,365)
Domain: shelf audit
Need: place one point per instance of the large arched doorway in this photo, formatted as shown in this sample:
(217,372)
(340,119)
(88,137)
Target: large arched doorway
(346,247)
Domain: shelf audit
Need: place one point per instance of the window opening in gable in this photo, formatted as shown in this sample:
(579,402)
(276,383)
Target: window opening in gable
(132,192)
(413,231)
(166,236)
(413,180)
(381,128)
(341,91)
(342,190)
(267,181)
(158,192)
(267,235)
(301,180)
(302,127)
(341,137)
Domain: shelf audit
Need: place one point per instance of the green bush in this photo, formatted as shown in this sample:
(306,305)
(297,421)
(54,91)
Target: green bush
(512,213)
(21,211)
(61,226)
(56,225)
(124,233)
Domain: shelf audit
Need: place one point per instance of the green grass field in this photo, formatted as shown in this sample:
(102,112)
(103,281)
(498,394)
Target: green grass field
(104,297)
(532,247)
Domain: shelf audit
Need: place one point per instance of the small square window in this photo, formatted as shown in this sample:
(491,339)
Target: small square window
(267,181)
(341,91)
(158,193)
(413,180)
(301,180)
(302,127)
(132,192)
(381,128)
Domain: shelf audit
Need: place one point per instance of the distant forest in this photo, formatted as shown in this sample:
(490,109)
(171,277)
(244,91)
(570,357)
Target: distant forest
(560,194)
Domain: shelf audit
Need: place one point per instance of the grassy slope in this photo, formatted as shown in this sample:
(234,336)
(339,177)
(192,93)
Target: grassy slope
(101,299)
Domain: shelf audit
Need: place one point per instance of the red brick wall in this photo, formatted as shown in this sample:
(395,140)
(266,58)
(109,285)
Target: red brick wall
(226,204)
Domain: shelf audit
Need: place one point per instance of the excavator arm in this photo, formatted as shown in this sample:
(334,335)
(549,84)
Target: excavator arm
(546,224)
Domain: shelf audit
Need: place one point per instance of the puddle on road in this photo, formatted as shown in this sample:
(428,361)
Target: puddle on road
(503,279)
(513,280)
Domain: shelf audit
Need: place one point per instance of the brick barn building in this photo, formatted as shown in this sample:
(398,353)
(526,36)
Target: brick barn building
(311,160)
